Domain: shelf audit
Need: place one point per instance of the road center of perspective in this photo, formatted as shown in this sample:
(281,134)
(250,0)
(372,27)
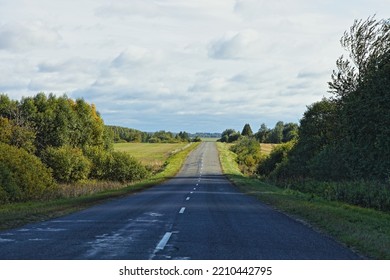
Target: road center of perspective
(196,215)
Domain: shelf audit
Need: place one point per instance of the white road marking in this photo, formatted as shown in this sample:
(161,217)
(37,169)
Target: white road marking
(6,240)
(182,210)
(164,241)
(194,189)
(188,198)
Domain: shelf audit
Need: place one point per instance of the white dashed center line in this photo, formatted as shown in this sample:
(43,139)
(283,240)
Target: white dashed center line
(164,241)
(182,210)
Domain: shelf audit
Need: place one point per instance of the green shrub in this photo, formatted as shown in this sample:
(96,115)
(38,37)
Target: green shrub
(114,166)
(276,160)
(23,176)
(125,168)
(8,188)
(248,152)
(102,162)
(68,164)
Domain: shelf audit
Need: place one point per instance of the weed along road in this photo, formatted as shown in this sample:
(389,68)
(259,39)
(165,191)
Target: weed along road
(196,215)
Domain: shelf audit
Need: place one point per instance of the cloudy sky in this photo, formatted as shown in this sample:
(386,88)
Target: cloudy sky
(193,65)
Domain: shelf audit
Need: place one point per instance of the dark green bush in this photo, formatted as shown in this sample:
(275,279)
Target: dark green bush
(114,166)
(8,188)
(277,159)
(125,168)
(23,176)
(68,164)
(102,162)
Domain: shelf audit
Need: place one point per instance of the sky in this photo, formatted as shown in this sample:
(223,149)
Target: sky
(178,65)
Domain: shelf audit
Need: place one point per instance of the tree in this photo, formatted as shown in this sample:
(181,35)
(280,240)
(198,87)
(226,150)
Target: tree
(263,133)
(367,42)
(226,135)
(276,134)
(247,130)
(290,132)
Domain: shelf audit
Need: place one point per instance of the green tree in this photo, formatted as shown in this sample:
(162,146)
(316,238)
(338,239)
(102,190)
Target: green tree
(230,135)
(276,134)
(263,133)
(367,42)
(290,132)
(247,130)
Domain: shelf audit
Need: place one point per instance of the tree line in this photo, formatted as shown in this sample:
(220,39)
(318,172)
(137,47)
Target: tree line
(340,149)
(281,133)
(123,134)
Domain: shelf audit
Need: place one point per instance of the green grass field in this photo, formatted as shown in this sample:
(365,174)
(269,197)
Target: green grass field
(153,155)
(366,231)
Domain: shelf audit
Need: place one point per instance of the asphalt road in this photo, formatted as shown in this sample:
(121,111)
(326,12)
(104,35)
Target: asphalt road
(196,215)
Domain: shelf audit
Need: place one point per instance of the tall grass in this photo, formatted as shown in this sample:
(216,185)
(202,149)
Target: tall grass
(368,194)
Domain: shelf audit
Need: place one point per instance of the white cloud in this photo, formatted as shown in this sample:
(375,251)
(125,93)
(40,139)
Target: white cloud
(178,65)
(135,56)
(27,35)
(233,46)
(140,8)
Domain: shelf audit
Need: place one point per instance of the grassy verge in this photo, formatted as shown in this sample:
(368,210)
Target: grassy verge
(17,214)
(364,230)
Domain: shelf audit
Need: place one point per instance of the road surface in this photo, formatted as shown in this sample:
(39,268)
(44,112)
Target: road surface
(196,215)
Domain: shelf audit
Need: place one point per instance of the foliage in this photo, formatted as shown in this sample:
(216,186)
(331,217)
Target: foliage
(263,133)
(120,134)
(196,139)
(124,168)
(101,161)
(346,137)
(68,164)
(230,136)
(19,136)
(23,176)
(247,130)
(248,154)
(271,165)
(54,121)
(281,133)
(276,134)
(367,43)
(9,190)
(183,136)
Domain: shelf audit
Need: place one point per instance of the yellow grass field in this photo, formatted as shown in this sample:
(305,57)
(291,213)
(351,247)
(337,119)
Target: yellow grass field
(150,154)
(267,148)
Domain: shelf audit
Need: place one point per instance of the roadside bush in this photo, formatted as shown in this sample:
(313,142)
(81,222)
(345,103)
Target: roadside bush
(68,164)
(23,176)
(114,166)
(102,161)
(275,161)
(8,188)
(248,152)
(125,168)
